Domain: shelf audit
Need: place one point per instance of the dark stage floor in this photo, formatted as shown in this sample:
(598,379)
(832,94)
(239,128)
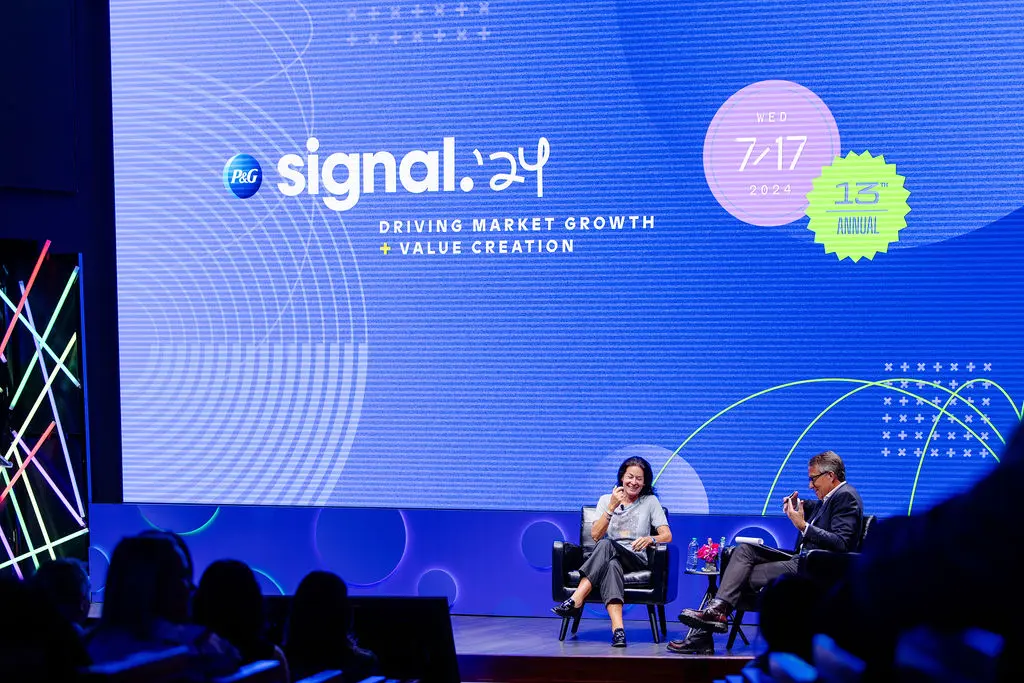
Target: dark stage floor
(510,649)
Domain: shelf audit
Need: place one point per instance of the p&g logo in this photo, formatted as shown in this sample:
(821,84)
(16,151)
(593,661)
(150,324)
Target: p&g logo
(243,175)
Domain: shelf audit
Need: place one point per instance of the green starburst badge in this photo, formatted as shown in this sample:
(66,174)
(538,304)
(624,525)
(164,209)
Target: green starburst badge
(857,206)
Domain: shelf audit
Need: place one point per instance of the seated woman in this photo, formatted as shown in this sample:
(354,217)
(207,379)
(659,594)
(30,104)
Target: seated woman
(319,635)
(229,602)
(622,534)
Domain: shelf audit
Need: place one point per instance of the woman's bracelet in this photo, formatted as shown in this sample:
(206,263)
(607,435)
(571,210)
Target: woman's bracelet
(609,512)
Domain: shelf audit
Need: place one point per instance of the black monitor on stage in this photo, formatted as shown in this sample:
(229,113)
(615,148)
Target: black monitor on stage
(411,636)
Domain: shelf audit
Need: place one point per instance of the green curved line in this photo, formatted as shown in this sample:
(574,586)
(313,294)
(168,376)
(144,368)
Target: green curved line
(975,408)
(800,438)
(193,532)
(734,405)
(887,384)
(1019,413)
(269,578)
(820,380)
(935,425)
(204,527)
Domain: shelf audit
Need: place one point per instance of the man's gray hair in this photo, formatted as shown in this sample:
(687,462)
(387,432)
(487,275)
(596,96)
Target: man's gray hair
(828,461)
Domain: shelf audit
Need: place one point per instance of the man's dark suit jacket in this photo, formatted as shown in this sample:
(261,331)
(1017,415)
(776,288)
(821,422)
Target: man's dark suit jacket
(838,525)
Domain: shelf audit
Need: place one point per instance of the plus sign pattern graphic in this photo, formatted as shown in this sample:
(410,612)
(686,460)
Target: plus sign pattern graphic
(941,418)
(419,24)
(947,415)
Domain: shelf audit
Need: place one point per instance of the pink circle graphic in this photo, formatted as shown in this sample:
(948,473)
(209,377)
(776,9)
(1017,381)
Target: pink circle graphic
(763,149)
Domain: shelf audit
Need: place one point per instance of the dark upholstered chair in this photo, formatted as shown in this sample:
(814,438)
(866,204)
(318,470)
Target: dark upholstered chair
(823,566)
(653,586)
(826,567)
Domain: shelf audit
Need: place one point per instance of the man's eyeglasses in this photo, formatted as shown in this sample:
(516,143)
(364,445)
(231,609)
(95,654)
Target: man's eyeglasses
(814,477)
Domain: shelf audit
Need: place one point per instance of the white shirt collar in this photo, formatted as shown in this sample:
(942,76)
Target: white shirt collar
(829,494)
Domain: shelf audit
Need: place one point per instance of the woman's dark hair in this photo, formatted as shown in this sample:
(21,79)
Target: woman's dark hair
(320,623)
(180,544)
(146,581)
(636,460)
(229,602)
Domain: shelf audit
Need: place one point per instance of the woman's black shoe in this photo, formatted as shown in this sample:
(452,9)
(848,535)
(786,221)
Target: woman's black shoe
(567,608)
(619,637)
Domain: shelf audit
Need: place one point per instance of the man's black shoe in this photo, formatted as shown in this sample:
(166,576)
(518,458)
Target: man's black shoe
(619,637)
(697,643)
(566,608)
(714,617)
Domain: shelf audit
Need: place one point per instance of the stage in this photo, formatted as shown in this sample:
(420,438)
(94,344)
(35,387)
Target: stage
(512,649)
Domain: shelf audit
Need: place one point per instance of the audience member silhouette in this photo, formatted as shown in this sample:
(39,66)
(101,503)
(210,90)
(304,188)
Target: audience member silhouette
(787,615)
(949,568)
(41,645)
(229,602)
(146,608)
(182,547)
(319,635)
(65,583)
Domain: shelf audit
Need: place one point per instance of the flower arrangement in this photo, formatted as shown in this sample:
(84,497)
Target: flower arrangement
(708,552)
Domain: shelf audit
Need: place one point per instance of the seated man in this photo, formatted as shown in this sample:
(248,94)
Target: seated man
(832,522)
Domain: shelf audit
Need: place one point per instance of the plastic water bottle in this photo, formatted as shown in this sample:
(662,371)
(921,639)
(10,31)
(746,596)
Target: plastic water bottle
(691,555)
(721,551)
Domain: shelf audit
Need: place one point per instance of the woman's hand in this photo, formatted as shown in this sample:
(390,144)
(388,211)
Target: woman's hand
(642,542)
(618,497)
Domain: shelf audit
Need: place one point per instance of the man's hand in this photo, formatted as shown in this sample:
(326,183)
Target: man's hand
(642,542)
(795,513)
